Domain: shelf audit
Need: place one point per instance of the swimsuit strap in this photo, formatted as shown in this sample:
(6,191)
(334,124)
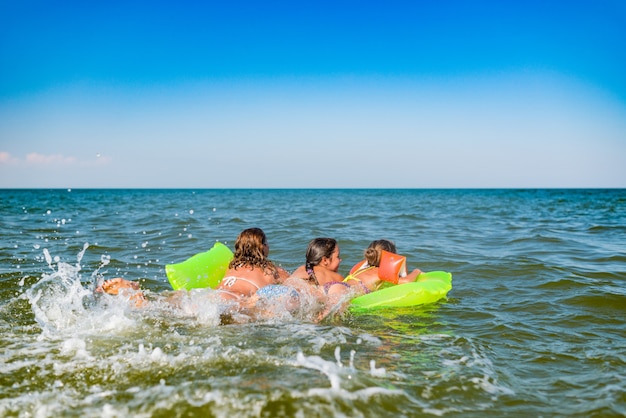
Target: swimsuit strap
(363,269)
(353,276)
(231,280)
(328,285)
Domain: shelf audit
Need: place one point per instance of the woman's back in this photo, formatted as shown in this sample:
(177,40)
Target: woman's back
(246,280)
(250,269)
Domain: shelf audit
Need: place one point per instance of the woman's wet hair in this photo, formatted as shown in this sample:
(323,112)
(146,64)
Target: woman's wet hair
(374,250)
(250,251)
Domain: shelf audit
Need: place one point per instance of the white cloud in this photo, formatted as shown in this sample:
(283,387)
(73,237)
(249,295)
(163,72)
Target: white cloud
(6,158)
(38,159)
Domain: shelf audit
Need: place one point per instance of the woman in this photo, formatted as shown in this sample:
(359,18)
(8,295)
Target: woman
(250,269)
(367,274)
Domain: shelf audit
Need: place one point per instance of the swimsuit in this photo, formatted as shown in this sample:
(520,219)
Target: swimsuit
(277,290)
(328,285)
(231,280)
(353,276)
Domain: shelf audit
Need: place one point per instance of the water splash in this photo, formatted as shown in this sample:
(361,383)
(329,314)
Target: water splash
(58,299)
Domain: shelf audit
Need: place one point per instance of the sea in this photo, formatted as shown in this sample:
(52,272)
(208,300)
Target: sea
(534,325)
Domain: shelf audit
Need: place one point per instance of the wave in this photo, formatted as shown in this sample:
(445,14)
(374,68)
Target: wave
(605,302)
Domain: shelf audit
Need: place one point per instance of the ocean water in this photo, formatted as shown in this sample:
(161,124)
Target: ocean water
(535,324)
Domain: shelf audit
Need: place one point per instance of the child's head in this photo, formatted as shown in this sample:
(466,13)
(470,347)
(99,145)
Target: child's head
(373,252)
(318,249)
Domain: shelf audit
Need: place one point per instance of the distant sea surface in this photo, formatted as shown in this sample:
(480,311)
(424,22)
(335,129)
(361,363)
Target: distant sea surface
(534,326)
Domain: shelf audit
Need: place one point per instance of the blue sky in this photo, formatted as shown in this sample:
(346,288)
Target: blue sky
(313,94)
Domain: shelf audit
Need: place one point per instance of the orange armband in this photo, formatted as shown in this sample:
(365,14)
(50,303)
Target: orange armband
(392,267)
(358,266)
